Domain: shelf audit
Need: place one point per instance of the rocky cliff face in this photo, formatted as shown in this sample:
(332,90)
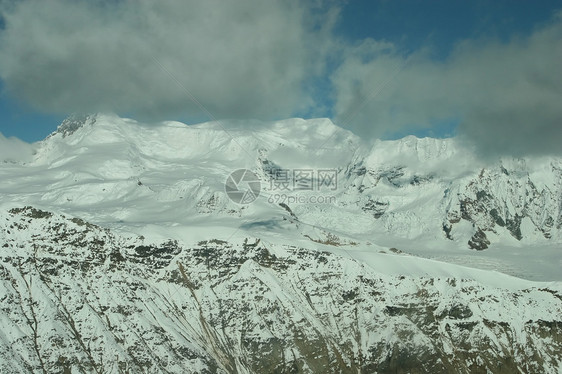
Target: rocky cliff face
(76,297)
(417,186)
(496,200)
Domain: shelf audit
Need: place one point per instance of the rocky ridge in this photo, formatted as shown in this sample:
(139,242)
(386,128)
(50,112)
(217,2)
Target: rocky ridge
(76,297)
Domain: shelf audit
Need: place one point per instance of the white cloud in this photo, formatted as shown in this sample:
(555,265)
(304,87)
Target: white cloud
(15,150)
(507,95)
(244,58)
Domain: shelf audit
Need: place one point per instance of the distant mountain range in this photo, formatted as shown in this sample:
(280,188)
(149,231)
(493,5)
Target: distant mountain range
(409,188)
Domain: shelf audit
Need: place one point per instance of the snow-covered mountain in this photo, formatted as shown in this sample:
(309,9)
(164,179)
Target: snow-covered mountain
(79,298)
(121,251)
(429,197)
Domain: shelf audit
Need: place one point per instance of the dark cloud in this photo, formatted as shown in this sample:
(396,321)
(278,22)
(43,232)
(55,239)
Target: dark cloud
(507,96)
(244,58)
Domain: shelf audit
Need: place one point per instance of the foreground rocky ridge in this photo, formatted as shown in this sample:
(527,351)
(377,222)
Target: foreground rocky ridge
(76,297)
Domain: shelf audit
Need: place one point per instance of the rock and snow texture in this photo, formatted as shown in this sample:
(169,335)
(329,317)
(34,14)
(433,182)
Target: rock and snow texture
(419,185)
(79,298)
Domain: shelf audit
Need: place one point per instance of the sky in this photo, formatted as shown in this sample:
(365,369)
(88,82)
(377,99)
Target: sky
(484,71)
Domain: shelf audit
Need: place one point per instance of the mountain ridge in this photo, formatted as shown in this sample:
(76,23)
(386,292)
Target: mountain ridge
(424,195)
(79,297)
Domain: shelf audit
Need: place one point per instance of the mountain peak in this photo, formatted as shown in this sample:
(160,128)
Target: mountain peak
(74,122)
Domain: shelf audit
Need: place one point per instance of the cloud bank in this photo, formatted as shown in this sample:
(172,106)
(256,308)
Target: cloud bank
(238,59)
(271,59)
(507,96)
(15,150)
